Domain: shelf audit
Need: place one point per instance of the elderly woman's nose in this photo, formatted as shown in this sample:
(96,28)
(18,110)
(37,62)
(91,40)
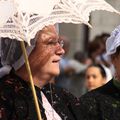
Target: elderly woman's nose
(60,50)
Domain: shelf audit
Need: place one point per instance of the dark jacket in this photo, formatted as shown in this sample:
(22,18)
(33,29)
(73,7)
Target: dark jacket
(101,104)
(16,100)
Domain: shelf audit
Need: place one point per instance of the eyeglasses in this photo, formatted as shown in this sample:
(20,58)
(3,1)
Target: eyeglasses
(55,42)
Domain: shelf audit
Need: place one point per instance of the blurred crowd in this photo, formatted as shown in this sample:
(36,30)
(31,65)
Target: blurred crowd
(86,70)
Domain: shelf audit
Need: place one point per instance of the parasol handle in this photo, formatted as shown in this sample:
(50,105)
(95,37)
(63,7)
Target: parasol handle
(31,80)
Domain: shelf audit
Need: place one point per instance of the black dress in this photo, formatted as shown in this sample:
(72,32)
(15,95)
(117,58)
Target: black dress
(101,104)
(16,100)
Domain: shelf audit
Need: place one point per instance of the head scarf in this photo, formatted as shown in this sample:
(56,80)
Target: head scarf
(11,54)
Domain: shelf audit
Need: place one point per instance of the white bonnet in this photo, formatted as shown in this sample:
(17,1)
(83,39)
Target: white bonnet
(113,41)
(11,54)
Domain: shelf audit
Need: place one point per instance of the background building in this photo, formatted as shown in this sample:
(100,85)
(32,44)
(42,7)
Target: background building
(101,21)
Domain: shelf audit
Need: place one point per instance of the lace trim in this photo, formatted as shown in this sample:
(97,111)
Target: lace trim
(51,114)
(25,26)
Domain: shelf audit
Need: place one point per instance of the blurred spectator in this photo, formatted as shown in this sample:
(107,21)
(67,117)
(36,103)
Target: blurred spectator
(102,57)
(94,48)
(82,58)
(95,76)
(78,63)
(97,49)
(97,52)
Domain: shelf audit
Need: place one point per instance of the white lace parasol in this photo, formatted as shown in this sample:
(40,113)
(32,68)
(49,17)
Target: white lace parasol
(23,25)
(7,9)
(27,17)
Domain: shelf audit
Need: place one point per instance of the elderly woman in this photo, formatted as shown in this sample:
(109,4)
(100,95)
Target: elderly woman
(104,103)
(16,100)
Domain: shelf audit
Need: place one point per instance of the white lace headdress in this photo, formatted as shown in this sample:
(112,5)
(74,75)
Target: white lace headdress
(25,22)
(113,41)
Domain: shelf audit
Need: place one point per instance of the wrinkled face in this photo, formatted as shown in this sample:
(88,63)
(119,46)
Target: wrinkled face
(94,78)
(47,53)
